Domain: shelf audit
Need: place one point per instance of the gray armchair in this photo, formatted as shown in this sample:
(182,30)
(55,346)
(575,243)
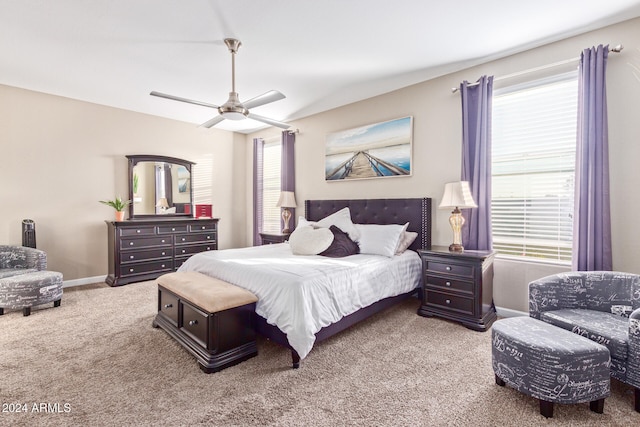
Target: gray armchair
(16,260)
(603,306)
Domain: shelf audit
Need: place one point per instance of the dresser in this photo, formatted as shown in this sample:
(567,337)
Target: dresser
(458,286)
(145,249)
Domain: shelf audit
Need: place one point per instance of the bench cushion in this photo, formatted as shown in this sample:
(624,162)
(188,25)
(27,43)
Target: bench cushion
(604,328)
(211,294)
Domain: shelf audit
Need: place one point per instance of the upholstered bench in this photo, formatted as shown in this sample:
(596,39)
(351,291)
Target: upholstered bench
(210,318)
(29,290)
(549,363)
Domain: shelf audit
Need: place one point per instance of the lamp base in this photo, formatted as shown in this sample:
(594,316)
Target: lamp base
(454,247)
(286,231)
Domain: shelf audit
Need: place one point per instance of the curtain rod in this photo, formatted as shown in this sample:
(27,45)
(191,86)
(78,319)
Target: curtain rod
(616,49)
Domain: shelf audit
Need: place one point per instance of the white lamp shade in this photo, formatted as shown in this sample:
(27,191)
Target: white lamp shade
(287,200)
(457,195)
(162,203)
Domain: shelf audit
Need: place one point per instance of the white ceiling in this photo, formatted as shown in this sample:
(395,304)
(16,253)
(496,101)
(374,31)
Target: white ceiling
(320,53)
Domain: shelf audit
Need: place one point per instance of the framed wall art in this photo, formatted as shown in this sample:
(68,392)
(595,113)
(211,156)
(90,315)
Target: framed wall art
(379,150)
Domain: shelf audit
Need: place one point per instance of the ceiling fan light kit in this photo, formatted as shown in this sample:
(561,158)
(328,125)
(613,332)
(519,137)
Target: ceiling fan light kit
(233,109)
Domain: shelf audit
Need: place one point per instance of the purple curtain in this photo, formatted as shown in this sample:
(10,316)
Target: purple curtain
(258,149)
(476,161)
(592,217)
(288,175)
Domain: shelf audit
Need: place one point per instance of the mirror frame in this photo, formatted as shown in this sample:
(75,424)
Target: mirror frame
(134,159)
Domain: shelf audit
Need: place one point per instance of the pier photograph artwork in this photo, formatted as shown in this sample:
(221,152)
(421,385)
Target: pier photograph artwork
(372,151)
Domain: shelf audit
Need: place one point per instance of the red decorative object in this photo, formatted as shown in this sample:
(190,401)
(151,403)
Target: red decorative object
(204,211)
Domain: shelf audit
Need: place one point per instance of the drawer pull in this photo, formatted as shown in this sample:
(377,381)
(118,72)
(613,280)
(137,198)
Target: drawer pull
(138,231)
(173,229)
(130,243)
(184,250)
(448,268)
(168,305)
(131,257)
(448,301)
(203,227)
(162,266)
(162,240)
(183,239)
(208,237)
(163,253)
(447,283)
(208,248)
(193,322)
(131,270)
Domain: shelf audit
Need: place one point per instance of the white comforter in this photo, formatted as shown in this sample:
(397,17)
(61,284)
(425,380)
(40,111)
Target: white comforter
(302,294)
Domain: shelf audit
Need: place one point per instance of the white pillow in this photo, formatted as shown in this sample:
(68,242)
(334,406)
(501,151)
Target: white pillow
(379,239)
(341,219)
(307,240)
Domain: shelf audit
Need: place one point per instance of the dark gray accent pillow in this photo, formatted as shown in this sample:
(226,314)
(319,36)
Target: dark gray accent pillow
(341,246)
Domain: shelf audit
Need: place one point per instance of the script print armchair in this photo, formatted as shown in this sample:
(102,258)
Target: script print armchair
(603,306)
(16,260)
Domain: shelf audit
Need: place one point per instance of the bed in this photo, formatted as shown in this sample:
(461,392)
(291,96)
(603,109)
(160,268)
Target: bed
(292,288)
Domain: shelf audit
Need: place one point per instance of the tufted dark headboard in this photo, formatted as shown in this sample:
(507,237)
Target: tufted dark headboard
(380,211)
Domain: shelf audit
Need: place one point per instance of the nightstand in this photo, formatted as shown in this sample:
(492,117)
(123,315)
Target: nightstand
(458,286)
(270,238)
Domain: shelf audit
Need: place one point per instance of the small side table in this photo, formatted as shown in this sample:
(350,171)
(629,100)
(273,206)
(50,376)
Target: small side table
(271,238)
(458,286)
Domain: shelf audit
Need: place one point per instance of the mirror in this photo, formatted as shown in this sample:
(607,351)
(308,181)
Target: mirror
(160,186)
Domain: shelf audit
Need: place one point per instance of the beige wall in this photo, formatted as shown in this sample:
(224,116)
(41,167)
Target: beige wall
(437,148)
(60,156)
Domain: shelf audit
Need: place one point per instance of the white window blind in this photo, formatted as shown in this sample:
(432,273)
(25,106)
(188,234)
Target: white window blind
(533,164)
(272,159)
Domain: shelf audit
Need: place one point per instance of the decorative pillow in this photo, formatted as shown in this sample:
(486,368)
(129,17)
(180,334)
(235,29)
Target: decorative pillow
(341,219)
(341,246)
(307,240)
(379,239)
(406,239)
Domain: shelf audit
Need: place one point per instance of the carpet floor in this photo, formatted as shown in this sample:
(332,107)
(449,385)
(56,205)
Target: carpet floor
(96,360)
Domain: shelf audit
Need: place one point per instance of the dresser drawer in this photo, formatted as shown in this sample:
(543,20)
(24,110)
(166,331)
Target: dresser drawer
(447,268)
(168,305)
(448,283)
(146,255)
(168,229)
(449,302)
(194,323)
(195,238)
(138,231)
(194,249)
(146,242)
(146,267)
(208,226)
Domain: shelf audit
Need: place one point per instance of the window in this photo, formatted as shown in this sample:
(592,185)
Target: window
(271,161)
(533,163)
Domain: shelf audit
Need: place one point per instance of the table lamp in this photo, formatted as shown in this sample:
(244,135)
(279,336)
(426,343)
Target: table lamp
(457,195)
(287,200)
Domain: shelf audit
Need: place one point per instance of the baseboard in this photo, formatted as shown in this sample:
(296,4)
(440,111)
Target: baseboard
(507,312)
(83,281)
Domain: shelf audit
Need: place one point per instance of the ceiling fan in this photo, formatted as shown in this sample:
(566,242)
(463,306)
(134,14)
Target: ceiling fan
(233,109)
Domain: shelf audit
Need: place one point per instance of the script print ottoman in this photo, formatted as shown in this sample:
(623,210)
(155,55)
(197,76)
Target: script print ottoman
(549,363)
(30,289)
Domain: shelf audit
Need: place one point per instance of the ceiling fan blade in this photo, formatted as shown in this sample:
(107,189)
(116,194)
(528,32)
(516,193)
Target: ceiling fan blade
(268,121)
(211,123)
(177,98)
(265,98)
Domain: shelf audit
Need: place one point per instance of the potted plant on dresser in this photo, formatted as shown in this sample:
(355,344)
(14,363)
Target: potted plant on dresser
(119,205)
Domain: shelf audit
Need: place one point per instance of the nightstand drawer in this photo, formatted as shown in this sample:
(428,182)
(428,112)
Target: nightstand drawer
(447,268)
(194,323)
(449,302)
(448,283)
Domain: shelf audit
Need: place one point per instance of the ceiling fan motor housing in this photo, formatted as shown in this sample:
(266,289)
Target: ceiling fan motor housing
(233,108)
